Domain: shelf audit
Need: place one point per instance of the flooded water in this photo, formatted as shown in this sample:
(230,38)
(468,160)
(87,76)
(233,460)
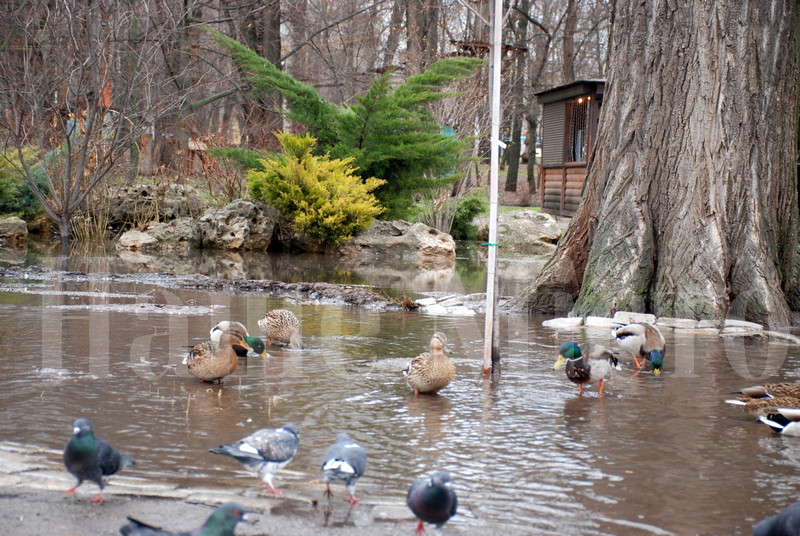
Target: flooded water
(655,456)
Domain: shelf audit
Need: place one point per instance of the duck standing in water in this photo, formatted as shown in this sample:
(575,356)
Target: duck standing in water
(283,326)
(209,362)
(595,367)
(645,342)
(432,371)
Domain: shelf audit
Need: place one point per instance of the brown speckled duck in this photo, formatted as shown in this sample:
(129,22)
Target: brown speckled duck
(281,325)
(430,372)
(763,400)
(209,362)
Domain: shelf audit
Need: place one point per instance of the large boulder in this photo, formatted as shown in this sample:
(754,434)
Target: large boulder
(135,204)
(242,224)
(526,232)
(13,232)
(182,233)
(414,244)
(136,240)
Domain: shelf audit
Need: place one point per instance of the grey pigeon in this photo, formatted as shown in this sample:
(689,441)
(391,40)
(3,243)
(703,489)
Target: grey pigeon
(433,500)
(264,452)
(90,458)
(786,523)
(344,460)
(221,523)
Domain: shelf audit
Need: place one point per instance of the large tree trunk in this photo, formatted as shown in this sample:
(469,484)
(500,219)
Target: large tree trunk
(691,202)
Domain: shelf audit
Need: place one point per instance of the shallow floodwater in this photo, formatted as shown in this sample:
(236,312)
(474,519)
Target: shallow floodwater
(655,456)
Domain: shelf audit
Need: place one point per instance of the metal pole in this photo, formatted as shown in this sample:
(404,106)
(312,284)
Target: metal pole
(494,179)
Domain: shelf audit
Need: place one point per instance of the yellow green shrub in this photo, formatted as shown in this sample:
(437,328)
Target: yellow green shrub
(322,198)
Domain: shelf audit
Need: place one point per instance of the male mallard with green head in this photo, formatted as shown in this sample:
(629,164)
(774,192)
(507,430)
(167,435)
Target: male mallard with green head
(645,342)
(594,367)
(254,343)
(281,325)
(432,371)
(208,361)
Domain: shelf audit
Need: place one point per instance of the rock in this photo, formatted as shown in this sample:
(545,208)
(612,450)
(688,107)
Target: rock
(731,323)
(242,224)
(415,244)
(779,336)
(136,204)
(136,240)
(181,233)
(13,232)
(563,323)
(601,322)
(627,317)
(525,231)
(676,323)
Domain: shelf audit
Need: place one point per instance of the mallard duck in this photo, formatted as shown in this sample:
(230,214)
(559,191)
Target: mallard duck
(281,325)
(208,361)
(430,372)
(770,390)
(254,343)
(762,400)
(594,367)
(785,421)
(645,342)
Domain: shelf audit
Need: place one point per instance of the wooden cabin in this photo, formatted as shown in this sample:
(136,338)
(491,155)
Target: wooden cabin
(569,129)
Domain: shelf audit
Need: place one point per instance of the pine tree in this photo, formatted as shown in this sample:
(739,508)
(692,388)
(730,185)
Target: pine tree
(388,132)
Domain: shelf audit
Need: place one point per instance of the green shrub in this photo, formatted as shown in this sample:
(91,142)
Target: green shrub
(469,206)
(323,199)
(16,199)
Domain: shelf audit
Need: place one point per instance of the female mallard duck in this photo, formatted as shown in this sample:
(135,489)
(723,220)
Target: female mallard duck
(241,350)
(208,361)
(594,367)
(763,400)
(430,372)
(645,342)
(281,325)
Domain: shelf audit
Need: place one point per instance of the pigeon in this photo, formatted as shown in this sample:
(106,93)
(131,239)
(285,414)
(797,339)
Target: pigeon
(344,460)
(90,458)
(433,500)
(786,523)
(255,343)
(221,523)
(264,452)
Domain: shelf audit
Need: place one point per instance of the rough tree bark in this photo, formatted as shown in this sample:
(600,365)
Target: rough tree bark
(690,208)
(517,99)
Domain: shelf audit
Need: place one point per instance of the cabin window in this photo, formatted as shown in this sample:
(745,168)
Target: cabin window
(577,129)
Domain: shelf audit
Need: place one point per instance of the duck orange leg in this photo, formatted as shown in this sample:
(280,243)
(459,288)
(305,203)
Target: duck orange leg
(602,384)
(580,389)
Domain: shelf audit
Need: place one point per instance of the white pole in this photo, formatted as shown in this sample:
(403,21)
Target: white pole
(494,171)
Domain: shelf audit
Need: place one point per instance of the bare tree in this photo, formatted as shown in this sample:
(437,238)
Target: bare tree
(691,202)
(79,90)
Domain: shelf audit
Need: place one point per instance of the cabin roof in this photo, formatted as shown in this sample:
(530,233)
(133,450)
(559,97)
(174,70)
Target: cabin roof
(573,89)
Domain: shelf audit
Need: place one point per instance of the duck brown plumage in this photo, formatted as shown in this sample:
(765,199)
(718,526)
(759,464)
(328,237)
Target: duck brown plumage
(283,326)
(432,371)
(208,361)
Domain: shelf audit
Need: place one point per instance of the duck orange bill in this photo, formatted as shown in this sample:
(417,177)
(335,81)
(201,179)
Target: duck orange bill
(560,361)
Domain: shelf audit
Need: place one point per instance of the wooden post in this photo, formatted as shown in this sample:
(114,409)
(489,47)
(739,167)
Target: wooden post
(491,354)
